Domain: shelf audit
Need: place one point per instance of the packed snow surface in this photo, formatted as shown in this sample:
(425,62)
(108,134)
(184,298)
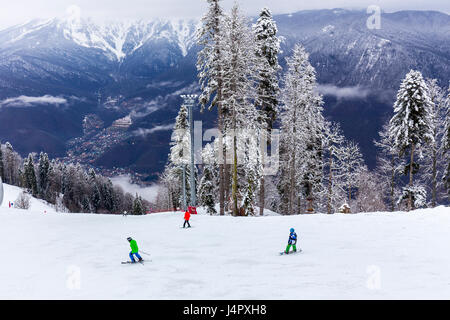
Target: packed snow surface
(363,256)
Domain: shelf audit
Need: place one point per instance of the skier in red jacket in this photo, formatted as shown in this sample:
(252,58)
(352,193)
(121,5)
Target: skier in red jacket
(187,216)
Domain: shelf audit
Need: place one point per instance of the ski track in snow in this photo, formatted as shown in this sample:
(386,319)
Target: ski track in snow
(225,257)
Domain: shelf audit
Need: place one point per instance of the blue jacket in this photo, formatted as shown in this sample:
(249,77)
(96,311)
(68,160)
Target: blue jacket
(292,238)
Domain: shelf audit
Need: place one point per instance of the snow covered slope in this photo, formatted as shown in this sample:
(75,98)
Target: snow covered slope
(36,205)
(365,256)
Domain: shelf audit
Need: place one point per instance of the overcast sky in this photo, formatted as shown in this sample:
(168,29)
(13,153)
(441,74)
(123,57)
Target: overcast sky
(18,11)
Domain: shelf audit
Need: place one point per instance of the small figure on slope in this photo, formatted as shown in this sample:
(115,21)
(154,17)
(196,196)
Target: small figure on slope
(134,250)
(292,241)
(187,216)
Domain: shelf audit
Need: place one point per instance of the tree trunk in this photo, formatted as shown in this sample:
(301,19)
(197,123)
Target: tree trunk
(410,204)
(234,190)
(221,164)
(392,184)
(434,180)
(226,172)
(261,197)
(262,182)
(349,194)
(292,184)
(330,185)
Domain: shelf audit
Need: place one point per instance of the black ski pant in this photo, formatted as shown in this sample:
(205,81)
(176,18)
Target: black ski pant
(184,225)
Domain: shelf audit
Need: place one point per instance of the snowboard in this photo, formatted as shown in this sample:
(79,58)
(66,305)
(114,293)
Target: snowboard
(290,252)
(130,262)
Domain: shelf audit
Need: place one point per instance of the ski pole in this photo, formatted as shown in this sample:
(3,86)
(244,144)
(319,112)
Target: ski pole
(145,253)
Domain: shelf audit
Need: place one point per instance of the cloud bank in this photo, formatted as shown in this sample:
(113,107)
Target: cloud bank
(143,132)
(343,92)
(26,101)
(147,193)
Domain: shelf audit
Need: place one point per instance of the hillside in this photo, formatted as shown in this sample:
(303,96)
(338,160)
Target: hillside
(363,256)
(10,195)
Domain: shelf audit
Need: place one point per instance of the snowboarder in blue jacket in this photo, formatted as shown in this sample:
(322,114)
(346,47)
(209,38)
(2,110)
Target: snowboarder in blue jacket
(292,242)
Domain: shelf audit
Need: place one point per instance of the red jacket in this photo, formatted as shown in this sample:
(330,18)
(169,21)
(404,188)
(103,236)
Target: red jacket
(187,215)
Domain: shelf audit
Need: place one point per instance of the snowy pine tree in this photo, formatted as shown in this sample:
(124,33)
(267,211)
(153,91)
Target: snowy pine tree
(302,129)
(44,170)
(411,125)
(30,175)
(209,65)
(267,50)
(207,189)
(446,145)
(239,75)
(433,152)
(179,157)
(138,206)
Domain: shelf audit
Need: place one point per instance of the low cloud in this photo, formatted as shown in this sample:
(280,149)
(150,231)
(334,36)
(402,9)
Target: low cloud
(148,193)
(343,92)
(143,132)
(27,101)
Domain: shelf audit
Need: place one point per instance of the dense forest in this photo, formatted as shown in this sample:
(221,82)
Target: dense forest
(69,187)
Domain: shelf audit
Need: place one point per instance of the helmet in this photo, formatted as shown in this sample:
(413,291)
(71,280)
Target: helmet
(292,230)
(129,239)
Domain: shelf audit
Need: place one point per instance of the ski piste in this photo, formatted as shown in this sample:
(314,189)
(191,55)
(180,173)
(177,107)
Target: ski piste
(291,252)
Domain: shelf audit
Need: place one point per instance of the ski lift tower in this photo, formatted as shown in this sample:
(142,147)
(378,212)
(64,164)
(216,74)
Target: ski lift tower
(189,101)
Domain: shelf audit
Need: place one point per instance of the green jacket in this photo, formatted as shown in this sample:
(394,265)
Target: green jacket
(134,246)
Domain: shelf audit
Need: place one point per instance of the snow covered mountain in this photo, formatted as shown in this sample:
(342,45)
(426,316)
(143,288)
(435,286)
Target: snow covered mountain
(54,73)
(116,40)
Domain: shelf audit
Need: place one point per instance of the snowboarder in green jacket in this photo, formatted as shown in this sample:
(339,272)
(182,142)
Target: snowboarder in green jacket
(134,250)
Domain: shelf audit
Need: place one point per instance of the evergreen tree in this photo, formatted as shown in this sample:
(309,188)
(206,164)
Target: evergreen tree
(433,152)
(12,162)
(446,145)
(267,50)
(107,194)
(239,75)
(411,125)
(208,183)
(44,170)
(95,196)
(302,128)
(180,154)
(30,175)
(138,206)
(209,66)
